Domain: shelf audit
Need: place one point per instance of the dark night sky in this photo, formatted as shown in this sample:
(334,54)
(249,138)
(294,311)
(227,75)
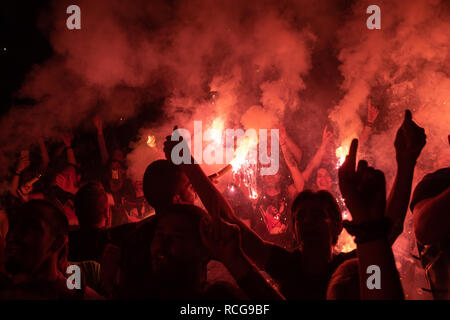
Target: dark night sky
(25,45)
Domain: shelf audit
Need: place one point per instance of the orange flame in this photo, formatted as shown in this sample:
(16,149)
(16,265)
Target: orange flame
(216,130)
(241,152)
(342,151)
(346,242)
(151,141)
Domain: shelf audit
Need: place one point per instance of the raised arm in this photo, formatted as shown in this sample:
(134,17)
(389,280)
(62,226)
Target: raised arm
(290,144)
(22,163)
(4,226)
(224,243)
(45,159)
(253,245)
(67,140)
(315,161)
(372,115)
(364,191)
(409,142)
(291,162)
(101,140)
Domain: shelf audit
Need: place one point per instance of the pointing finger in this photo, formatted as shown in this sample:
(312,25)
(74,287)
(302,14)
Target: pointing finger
(350,160)
(408,115)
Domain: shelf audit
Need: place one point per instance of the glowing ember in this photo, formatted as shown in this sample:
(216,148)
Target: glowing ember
(254,195)
(245,177)
(151,141)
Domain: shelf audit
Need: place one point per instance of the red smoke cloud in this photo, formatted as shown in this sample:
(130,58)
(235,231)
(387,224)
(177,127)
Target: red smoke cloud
(406,64)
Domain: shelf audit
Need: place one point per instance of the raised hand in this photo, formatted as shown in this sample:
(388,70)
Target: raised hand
(372,112)
(67,139)
(26,188)
(283,134)
(289,148)
(363,189)
(98,123)
(169,146)
(327,136)
(409,141)
(66,184)
(23,162)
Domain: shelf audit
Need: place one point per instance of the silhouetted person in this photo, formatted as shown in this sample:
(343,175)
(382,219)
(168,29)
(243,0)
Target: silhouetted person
(92,211)
(63,187)
(304,272)
(344,283)
(36,239)
(185,240)
(430,206)
(178,256)
(164,185)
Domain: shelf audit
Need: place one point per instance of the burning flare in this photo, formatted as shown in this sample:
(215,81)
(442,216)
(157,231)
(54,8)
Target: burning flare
(342,151)
(216,130)
(346,242)
(240,155)
(151,141)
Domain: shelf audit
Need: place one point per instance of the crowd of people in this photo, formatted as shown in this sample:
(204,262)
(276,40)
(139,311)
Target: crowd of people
(170,235)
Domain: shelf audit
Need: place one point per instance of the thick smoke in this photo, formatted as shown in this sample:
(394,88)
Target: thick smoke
(208,59)
(247,62)
(406,64)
